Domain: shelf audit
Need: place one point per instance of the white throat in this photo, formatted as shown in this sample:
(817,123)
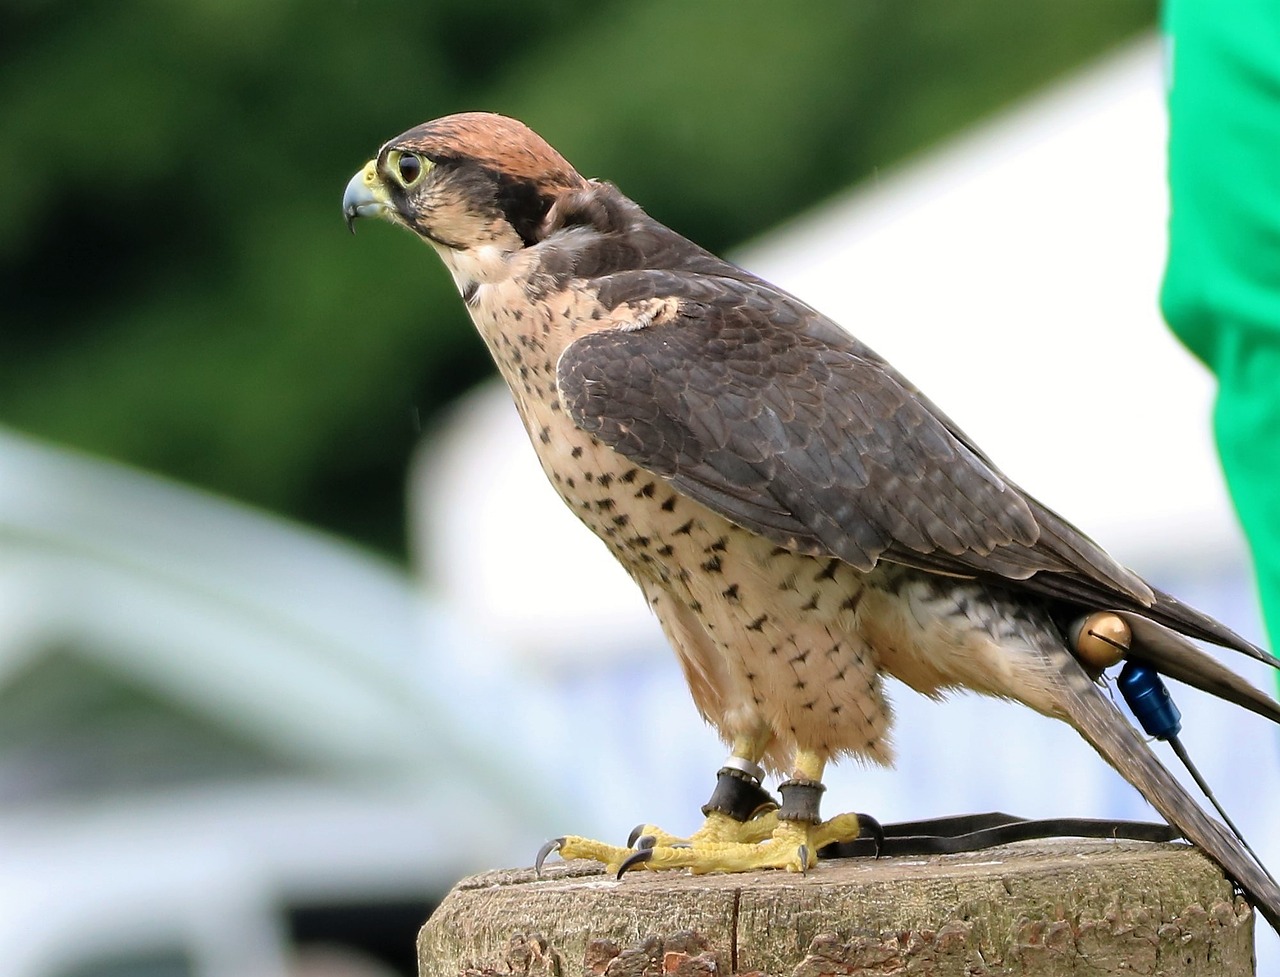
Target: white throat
(485,264)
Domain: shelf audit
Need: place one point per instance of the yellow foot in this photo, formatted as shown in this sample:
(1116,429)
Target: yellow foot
(718,828)
(720,845)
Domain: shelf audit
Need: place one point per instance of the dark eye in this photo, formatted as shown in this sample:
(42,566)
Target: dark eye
(410,168)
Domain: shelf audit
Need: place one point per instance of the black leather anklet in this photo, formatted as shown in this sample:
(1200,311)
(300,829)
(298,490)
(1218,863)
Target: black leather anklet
(739,795)
(800,800)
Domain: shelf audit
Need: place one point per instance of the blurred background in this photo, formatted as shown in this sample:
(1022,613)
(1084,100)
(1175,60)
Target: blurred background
(265,692)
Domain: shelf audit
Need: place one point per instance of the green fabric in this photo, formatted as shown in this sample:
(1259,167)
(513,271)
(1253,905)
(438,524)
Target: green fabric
(1221,293)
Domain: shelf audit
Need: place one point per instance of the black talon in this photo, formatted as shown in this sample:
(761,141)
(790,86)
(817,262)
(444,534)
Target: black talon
(552,845)
(866,823)
(644,842)
(636,832)
(803,852)
(634,859)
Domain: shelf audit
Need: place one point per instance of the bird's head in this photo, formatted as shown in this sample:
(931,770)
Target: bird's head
(476,186)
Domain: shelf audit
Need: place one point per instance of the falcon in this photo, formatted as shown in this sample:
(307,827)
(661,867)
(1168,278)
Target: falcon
(800,518)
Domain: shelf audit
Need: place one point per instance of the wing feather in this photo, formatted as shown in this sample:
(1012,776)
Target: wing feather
(767,412)
(812,439)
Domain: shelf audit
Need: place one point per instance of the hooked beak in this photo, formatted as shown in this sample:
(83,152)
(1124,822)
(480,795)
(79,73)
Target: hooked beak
(365,196)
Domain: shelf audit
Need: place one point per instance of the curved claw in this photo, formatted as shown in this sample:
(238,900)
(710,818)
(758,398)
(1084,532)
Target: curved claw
(869,825)
(802,853)
(553,845)
(636,832)
(644,842)
(635,858)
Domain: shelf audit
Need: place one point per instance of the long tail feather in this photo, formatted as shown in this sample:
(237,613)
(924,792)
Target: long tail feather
(1175,656)
(1107,731)
(1183,618)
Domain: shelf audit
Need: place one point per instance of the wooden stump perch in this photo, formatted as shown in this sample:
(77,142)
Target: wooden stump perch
(1037,909)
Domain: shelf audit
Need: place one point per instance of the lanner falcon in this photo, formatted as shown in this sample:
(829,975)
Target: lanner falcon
(800,518)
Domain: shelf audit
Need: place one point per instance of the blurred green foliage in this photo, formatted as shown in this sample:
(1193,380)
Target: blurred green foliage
(178,288)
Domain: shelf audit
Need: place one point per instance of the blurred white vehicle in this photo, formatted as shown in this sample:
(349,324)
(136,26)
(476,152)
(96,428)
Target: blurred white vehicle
(223,736)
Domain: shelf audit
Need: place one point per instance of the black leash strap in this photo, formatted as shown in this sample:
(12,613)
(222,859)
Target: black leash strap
(974,832)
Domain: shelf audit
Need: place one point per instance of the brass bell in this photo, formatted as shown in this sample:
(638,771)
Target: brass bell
(1100,639)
